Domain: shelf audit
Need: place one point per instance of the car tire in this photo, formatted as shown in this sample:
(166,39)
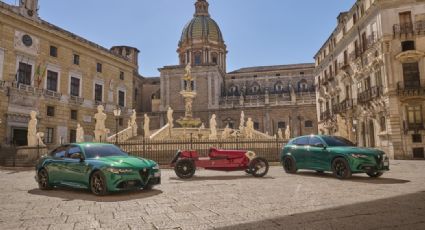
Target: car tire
(43,180)
(341,168)
(98,184)
(259,167)
(289,165)
(375,174)
(148,187)
(320,171)
(185,168)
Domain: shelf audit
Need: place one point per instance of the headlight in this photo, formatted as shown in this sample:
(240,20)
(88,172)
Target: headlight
(119,171)
(155,167)
(355,155)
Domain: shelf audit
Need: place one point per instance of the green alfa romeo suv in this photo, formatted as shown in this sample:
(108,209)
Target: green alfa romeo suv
(330,153)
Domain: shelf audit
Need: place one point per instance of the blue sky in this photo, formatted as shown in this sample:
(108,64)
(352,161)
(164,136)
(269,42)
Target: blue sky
(256,32)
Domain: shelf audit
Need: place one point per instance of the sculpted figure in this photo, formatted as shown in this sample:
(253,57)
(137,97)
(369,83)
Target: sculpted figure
(288,133)
(146,126)
(40,136)
(80,134)
(100,130)
(133,122)
(32,130)
(249,129)
(170,117)
(242,121)
(213,127)
(226,132)
(280,134)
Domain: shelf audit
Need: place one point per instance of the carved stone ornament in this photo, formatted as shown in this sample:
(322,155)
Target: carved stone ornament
(410,56)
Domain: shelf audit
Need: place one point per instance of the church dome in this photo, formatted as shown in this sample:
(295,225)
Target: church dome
(202,26)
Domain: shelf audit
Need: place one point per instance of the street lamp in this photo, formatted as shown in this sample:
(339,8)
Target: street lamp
(117,114)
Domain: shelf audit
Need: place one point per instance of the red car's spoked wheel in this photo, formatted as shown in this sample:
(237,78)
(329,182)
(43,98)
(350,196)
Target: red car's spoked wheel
(259,167)
(185,168)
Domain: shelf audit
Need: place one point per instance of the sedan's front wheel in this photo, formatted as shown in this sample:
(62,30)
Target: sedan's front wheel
(98,184)
(341,169)
(289,165)
(43,180)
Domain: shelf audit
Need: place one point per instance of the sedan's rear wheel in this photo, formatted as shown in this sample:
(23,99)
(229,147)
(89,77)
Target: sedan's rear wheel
(289,165)
(98,184)
(43,180)
(341,169)
(375,174)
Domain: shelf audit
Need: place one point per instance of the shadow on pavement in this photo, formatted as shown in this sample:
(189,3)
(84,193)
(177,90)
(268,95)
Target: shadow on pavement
(69,194)
(204,178)
(13,170)
(400,212)
(356,178)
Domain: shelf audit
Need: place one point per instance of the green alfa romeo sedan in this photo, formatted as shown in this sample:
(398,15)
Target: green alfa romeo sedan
(102,168)
(330,153)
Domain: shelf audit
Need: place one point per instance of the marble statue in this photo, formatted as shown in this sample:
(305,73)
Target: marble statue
(100,131)
(213,127)
(146,126)
(133,122)
(280,133)
(32,130)
(170,117)
(188,77)
(249,131)
(40,136)
(226,133)
(241,100)
(202,126)
(288,133)
(80,134)
(242,121)
(293,95)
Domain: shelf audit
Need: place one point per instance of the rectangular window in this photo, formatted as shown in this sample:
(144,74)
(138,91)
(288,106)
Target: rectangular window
(98,92)
(120,122)
(256,126)
(418,153)
(411,75)
(378,78)
(50,111)
(52,81)
(24,73)
(383,123)
(308,124)
(414,117)
(74,115)
(416,138)
(364,41)
(281,125)
(49,135)
(72,136)
(121,98)
(99,67)
(75,87)
(76,59)
(121,75)
(345,57)
(53,51)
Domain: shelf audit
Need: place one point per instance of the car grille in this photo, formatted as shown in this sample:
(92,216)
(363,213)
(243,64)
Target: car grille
(144,174)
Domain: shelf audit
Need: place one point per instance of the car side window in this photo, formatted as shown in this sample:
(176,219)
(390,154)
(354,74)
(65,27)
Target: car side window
(302,141)
(314,141)
(73,150)
(59,152)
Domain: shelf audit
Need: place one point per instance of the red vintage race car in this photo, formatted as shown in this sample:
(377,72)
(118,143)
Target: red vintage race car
(186,162)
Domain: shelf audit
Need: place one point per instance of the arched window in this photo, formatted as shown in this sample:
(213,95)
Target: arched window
(198,58)
(214,58)
(230,122)
(278,87)
(303,85)
(233,90)
(255,88)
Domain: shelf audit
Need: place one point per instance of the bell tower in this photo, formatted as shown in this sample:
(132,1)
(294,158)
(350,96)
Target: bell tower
(29,8)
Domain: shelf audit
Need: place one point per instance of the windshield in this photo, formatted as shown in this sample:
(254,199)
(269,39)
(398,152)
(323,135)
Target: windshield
(103,151)
(337,141)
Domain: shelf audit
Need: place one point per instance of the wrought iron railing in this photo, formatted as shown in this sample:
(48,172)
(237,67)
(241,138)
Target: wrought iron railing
(417,27)
(370,94)
(343,106)
(325,115)
(410,89)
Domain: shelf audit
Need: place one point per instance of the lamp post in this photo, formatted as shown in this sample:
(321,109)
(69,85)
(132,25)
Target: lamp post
(117,114)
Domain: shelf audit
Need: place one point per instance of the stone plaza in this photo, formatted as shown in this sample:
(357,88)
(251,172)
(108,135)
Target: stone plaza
(217,200)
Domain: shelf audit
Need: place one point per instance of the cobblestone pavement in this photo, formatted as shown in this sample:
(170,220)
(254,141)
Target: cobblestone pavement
(226,201)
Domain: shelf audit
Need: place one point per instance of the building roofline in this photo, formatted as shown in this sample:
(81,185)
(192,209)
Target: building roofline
(273,68)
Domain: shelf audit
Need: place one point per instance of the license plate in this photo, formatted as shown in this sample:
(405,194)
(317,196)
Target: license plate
(386,163)
(157,174)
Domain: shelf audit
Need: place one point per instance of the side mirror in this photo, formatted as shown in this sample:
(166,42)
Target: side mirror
(77,156)
(320,146)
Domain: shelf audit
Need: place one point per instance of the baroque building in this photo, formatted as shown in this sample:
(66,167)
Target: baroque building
(370,77)
(62,76)
(273,96)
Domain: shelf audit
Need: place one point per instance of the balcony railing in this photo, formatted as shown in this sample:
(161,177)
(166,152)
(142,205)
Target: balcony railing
(343,106)
(370,41)
(417,27)
(52,94)
(410,89)
(326,115)
(370,94)
(76,100)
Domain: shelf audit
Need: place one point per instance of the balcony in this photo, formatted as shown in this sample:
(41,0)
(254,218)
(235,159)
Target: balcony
(343,106)
(52,94)
(76,100)
(409,28)
(355,54)
(370,41)
(325,115)
(370,94)
(410,89)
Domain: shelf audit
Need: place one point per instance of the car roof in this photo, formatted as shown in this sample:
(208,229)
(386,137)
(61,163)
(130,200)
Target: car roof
(88,144)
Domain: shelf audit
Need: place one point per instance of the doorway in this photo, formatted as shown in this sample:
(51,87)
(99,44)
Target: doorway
(371,135)
(19,136)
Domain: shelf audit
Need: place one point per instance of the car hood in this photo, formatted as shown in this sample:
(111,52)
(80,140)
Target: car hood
(126,162)
(358,150)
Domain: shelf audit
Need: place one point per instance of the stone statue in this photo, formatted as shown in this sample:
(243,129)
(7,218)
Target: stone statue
(241,100)
(32,130)
(133,122)
(40,136)
(226,132)
(280,134)
(293,95)
(249,131)
(80,134)
(188,107)
(188,77)
(213,127)
(242,121)
(146,126)
(170,117)
(202,126)
(100,131)
(288,133)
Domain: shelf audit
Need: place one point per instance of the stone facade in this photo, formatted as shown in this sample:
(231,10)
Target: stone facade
(43,67)
(370,77)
